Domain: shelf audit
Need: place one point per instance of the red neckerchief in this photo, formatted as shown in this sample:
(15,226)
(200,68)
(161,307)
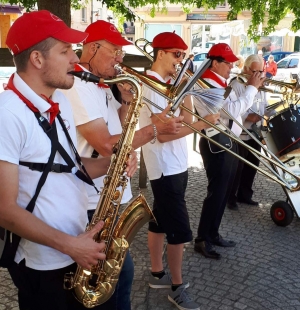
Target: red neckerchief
(101,85)
(54,110)
(155,78)
(208,74)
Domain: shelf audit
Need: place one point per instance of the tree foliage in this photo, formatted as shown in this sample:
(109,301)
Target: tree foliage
(268,13)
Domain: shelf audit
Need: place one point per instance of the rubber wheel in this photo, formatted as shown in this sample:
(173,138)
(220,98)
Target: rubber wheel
(281,213)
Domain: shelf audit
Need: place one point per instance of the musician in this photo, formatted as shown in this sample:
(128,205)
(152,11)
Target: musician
(221,166)
(166,162)
(242,187)
(53,239)
(99,118)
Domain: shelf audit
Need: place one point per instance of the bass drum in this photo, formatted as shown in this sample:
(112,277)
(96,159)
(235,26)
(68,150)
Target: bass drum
(284,128)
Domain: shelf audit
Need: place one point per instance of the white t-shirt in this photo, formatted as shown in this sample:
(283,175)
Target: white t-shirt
(90,102)
(259,106)
(62,202)
(167,158)
(236,106)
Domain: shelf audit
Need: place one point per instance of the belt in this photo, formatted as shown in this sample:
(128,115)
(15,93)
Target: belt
(58,168)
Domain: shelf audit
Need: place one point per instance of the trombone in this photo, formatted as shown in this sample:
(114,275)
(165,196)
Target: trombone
(204,85)
(284,87)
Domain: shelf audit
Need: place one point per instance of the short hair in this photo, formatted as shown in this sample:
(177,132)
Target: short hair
(252,58)
(21,60)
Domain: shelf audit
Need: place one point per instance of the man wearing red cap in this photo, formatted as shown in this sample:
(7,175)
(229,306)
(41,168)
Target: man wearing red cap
(221,166)
(99,118)
(32,141)
(166,163)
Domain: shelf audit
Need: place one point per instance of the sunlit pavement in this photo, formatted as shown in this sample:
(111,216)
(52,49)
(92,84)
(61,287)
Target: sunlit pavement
(261,272)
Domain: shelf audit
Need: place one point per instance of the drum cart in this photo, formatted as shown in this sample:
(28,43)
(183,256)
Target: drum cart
(282,137)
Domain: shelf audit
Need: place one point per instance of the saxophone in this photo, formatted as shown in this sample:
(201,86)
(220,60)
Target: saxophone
(95,286)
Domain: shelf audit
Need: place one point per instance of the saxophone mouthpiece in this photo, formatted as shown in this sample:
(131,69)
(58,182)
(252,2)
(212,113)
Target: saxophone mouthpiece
(86,76)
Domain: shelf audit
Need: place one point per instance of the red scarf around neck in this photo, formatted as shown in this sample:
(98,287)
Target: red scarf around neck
(54,110)
(208,74)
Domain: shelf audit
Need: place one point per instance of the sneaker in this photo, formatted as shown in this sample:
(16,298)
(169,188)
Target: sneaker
(164,282)
(182,300)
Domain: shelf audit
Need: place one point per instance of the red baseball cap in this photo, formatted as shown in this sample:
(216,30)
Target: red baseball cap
(34,27)
(102,30)
(222,50)
(168,40)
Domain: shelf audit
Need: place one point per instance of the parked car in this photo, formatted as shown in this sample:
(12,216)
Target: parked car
(5,73)
(277,55)
(288,67)
(198,59)
(198,48)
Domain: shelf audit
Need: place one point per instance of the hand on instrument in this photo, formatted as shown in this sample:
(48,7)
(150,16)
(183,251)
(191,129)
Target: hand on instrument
(256,79)
(253,118)
(126,91)
(213,118)
(131,164)
(85,251)
(167,125)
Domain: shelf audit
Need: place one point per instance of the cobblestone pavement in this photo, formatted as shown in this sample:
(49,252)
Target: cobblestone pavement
(262,272)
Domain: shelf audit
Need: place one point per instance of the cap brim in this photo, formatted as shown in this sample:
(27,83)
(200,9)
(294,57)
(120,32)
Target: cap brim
(231,58)
(118,41)
(70,35)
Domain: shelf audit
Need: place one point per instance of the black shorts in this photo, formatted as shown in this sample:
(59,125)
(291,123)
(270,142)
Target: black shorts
(169,208)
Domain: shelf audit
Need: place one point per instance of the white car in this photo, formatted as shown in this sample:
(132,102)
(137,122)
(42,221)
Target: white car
(5,73)
(288,68)
(198,59)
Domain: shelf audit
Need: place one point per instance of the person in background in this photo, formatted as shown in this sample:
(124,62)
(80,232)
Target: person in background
(242,187)
(271,67)
(166,162)
(99,118)
(220,165)
(238,65)
(53,238)
(260,54)
(192,66)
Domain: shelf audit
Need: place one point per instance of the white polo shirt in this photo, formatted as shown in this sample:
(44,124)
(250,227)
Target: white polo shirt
(259,106)
(62,202)
(167,158)
(90,102)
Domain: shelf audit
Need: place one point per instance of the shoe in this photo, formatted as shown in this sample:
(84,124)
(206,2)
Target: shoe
(205,248)
(182,300)
(164,282)
(248,201)
(223,243)
(232,206)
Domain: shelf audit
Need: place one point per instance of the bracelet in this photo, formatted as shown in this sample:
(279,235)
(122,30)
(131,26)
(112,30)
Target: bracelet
(126,102)
(155,134)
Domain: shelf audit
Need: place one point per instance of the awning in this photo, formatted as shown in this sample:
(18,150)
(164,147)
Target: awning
(7,8)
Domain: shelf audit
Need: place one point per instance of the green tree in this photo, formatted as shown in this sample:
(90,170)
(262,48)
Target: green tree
(268,13)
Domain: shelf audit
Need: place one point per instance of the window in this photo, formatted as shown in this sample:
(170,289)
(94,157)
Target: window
(282,64)
(84,15)
(200,57)
(293,63)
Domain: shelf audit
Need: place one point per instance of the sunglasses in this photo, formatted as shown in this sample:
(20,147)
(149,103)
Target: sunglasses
(227,63)
(177,54)
(260,71)
(116,53)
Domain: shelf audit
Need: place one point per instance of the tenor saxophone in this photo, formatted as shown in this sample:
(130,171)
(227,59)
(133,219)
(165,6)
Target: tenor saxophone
(94,286)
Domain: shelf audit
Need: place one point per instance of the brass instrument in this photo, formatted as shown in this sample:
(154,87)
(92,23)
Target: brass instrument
(284,86)
(269,159)
(95,286)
